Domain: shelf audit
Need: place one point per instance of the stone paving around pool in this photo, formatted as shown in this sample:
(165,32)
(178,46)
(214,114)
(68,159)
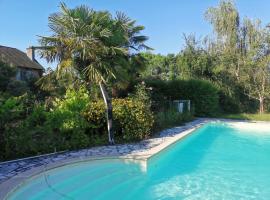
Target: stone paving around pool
(143,149)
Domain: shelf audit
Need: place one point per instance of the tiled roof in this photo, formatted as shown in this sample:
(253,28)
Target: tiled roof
(17,58)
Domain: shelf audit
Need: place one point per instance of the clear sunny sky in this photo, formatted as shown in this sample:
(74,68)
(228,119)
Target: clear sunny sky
(165,20)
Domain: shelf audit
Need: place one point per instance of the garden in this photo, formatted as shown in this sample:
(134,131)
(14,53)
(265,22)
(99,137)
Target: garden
(110,88)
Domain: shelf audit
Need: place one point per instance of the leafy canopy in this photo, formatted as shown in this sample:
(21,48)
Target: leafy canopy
(92,43)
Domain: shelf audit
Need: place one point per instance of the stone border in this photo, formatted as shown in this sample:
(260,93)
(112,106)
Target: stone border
(15,173)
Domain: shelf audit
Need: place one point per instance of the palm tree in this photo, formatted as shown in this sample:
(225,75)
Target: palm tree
(93,45)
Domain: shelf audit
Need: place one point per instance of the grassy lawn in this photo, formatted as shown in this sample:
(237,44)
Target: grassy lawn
(256,117)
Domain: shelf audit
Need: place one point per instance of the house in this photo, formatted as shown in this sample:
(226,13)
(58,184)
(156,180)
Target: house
(25,63)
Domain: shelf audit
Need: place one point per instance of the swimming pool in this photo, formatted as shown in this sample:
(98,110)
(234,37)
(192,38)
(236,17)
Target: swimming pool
(217,161)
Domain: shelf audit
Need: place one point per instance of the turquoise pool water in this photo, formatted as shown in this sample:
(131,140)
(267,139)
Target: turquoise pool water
(217,161)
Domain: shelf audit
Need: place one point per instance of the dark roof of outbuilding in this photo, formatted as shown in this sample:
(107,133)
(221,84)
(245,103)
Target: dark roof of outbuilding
(17,58)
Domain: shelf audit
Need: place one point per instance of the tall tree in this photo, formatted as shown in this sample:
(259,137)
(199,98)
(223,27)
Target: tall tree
(195,60)
(227,28)
(94,45)
(243,51)
(256,79)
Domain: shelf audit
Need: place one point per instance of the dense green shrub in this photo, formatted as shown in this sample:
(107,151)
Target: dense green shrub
(133,120)
(13,87)
(17,88)
(13,113)
(36,131)
(96,117)
(170,118)
(66,113)
(30,128)
(66,122)
(10,108)
(134,117)
(228,104)
(28,137)
(203,95)
(14,109)
(6,74)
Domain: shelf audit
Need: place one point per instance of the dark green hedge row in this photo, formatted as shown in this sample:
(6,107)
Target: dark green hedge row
(203,94)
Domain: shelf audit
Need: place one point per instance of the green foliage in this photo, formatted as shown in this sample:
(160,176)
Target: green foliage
(228,104)
(133,119)
(12,87)
(227,73)
(134,115)
(194,61)
(160,66)
(242,47)
(28,137)
(65,119)
(73,122)
(170,118)
(66,113)
(245,116)
(155,65)
(56,85)
(93,45)
(6,73)
(203,95)
(235,59)
(9,109)
(13,111)
(33,131)
(17,88)
(142,93)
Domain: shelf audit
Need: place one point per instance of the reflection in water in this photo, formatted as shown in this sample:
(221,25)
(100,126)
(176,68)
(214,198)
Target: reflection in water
(142,163)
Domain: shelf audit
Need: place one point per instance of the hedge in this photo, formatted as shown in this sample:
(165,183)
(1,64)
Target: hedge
(203,94)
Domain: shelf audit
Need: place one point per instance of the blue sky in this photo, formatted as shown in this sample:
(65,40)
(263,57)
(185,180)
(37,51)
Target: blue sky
(165,20)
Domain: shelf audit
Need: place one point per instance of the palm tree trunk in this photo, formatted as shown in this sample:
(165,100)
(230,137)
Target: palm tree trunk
(108,104)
